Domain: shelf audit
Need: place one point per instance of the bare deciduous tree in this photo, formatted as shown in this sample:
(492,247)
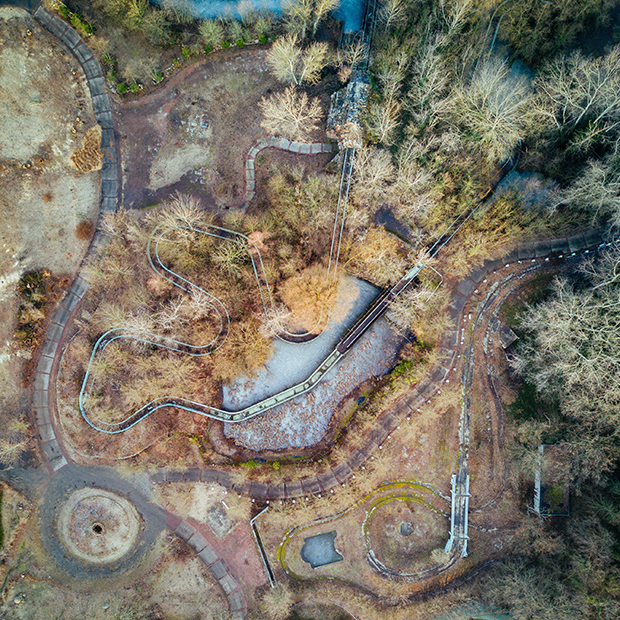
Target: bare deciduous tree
(571,356)
(492,109)
(382,120)
(596,191)
(304,16)
(291,63)
(574,90)
(290,114)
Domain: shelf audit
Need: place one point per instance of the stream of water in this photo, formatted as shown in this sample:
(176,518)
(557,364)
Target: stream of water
(350,12)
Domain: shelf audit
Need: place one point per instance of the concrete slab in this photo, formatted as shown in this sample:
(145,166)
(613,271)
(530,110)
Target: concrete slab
(305,149)
(543,249)
(293,489)
(97,86)
(46,432)
(70,301)
(576,243)
(61,316)
(58,463)
(250,185)
(208,475)
(109,188)
(294,147)
(276,491)
(41,382)
(274,141)
(259,489)
(311,486)
(218,569)
(92,69)
(249,174)
(458,302)
(228,584)
(253,152)
(158,476)
(327,481)
(108,205)
(342,471)
(356,459)
(184,531)
(56,26)
(174,476)
(71,38)
(328,148)
(236,602)
(44,364)
(51,450)
(317,147)
(83,53)
(197,542)
(284,144)
(249,164)
(208,556)
(43,416)
(49,348)
(192,474)
(105,119)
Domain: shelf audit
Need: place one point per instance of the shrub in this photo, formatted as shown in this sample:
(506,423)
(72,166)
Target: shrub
(134,87)
(111,75)
(157,76)
(212,33)
(107,60)
(240,43)
(63,10)
(84,230)
(208,48)
(185,52)
(262,39)
(121,88)
(225,45)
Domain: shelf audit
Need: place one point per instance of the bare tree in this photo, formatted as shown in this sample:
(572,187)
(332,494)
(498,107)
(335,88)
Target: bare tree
(303,16)
(291,63)
(321,9)
(577,91)
(373,173)
(290,114)
(596,191)
(492,108)
(382,120)
(571,356)
(392,13)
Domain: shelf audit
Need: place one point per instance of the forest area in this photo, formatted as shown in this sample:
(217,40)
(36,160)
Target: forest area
(457,88)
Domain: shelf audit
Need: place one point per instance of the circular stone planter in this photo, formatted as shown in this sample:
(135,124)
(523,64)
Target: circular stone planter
(98,526)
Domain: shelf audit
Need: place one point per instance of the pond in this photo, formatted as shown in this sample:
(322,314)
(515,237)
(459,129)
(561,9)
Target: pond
(350,12)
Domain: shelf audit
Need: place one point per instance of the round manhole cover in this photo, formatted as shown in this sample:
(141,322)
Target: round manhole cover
(406,528)
(98,526)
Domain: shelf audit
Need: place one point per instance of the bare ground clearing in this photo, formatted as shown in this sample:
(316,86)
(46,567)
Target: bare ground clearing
(45,112)
(194,132)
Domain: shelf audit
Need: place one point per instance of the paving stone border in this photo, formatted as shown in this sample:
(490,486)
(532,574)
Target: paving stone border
(411,403)
(51,447)
(217,566)
(265,142)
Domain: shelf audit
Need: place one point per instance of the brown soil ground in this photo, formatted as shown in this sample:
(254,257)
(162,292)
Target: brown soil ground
(45,112)
(192,134)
